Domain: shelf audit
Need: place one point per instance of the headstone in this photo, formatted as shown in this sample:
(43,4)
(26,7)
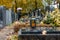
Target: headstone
(8,17)
(3,16)
(13,16)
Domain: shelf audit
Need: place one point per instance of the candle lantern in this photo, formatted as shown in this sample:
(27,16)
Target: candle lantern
(33,23)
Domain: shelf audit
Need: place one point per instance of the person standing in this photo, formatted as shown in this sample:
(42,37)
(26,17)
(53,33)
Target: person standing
(19,14)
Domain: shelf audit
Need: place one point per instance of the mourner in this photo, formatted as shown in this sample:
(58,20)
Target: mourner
(19,13)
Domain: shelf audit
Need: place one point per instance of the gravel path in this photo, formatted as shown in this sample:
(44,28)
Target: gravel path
(6,32)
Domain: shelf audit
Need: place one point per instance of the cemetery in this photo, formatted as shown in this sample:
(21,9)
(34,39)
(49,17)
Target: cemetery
(30,20)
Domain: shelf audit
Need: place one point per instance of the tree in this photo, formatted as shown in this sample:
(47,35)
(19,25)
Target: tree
(53,18)
(26,5)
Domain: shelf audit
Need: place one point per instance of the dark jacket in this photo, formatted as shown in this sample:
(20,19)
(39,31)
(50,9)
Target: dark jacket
(19,15)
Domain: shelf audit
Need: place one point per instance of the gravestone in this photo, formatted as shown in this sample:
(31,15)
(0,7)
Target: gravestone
(2,16)
(5,16)
(13,15)
(8,17)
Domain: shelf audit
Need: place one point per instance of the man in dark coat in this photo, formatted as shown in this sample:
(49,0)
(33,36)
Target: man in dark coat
(19,14)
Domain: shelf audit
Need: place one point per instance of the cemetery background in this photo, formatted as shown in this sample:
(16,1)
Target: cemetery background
(8,15)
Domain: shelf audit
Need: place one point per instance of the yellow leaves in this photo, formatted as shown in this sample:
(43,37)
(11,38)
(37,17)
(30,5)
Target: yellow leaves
(54,18)
(13,37)
(56,14)
(7,3)
(29,4)
(24,4)
(24,1)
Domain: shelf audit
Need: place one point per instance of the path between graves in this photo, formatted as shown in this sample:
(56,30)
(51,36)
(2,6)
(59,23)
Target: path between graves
(6,32)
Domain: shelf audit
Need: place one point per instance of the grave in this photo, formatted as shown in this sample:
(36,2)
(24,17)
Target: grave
(5,16)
